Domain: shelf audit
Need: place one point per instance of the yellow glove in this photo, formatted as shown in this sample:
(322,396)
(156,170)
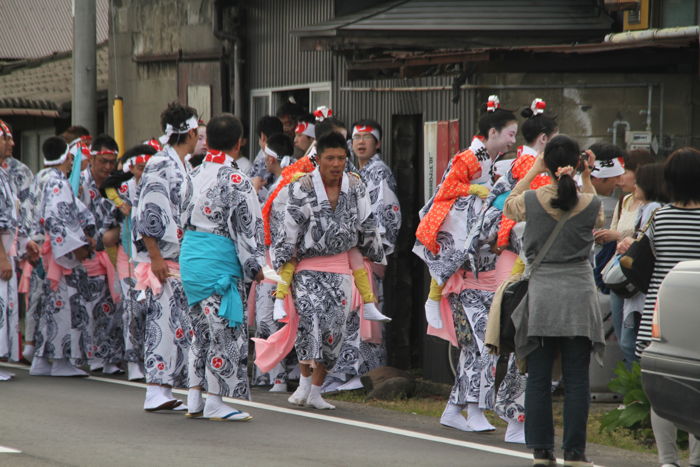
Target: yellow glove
(435,290)
(363,285)
(286,272)
(479,190)
(113,196)
(518,267)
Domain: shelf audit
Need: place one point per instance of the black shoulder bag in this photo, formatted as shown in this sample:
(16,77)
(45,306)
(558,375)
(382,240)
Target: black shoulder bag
(638,263)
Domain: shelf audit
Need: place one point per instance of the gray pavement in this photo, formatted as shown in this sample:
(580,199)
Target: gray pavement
(99,421)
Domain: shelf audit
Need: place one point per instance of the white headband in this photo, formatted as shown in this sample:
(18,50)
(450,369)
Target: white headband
(284,160)
(306,128)
(58,161)
(608,169)
(366,129)
(191,124)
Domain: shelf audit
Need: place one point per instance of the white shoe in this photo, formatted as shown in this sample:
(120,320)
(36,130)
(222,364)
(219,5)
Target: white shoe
(216,410)
(279,387)
(515,433)
(316,401)
(432,313)
(28,352)
(452,417)
(135,371)
(40,367)
(371,313)
(62,367)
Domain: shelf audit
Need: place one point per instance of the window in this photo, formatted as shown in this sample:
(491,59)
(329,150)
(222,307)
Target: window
(267,101)
(675,13)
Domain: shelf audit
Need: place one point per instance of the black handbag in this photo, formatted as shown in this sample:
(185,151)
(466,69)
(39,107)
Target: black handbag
(637,263)
(516,292)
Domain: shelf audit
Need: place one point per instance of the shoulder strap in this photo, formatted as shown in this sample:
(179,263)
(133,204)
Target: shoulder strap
(548,244)
(651,219)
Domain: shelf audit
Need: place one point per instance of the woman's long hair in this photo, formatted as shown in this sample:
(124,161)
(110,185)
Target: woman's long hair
(561,152)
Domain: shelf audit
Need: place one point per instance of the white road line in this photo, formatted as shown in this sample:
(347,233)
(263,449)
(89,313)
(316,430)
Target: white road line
(340,421)
(4,450)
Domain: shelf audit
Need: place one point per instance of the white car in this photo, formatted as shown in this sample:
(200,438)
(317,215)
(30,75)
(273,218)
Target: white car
(671,364)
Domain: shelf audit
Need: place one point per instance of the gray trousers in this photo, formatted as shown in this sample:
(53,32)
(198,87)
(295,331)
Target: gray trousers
(665,433)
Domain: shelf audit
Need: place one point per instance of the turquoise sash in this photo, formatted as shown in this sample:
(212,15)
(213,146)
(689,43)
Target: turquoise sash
(209,265)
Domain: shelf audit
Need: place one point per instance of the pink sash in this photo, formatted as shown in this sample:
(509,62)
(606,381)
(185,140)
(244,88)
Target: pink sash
(100,265)
(145,279)
(25,277)
(269,352)
(54,271)
(464,280)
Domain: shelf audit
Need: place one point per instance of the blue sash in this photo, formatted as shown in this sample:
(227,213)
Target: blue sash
(74,177)
(209,265)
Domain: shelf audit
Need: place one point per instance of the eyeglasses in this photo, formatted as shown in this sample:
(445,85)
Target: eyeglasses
(363,137)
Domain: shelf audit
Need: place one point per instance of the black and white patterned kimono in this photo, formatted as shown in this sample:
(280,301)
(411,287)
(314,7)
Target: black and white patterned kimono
(36,233)
(106,326)
(63,318)
(9,309)
(381,187)
(157,214)
(465,240)
(311,228)
(21,178)
(133,310)
(223,203)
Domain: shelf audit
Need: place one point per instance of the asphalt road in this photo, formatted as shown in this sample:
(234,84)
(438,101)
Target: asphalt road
(99,421)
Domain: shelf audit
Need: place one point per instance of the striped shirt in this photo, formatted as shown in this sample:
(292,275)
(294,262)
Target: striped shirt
(675,237)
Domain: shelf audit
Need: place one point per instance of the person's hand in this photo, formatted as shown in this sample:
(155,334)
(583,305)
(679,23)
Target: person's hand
(588,165)
(125,208)
(624,245)
(82,253)
(160,269)
(432,313)
(6,269)
(606,235)
(111,237)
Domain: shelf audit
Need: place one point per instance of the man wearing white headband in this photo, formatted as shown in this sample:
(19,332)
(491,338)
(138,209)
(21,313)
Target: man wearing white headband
(102,332)
(265,128)
(609,166)
(165,185)
(381,187)
(66,224)
(304,134)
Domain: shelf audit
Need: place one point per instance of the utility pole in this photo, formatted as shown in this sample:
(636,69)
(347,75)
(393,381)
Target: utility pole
(84,106)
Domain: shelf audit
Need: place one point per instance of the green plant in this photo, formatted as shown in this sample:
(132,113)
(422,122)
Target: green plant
(635,414)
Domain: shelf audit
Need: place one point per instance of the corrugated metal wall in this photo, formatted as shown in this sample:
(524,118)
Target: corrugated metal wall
(274,58)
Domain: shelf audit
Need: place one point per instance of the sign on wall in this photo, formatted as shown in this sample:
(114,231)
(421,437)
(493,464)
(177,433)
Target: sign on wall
(440,142)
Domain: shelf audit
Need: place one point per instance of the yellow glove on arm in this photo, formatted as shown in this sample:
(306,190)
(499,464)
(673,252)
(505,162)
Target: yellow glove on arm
(113,196)
(363,285)
(286,272)
(479,190)
(435,291)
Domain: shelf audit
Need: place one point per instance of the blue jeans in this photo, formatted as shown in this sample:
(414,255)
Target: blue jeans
(626,333)
(575,359)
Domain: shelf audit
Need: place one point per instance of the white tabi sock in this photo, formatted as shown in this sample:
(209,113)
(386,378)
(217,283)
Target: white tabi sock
(28,352)
(195,402)
(279,387)
(477,420)
(316,401)
(111,369)
(515,433)
(155,396)
(135,371)
(215,409)
(62,367)
(452,417)
(40,367)
(96,364)
(302,393)
(370,312)
(6,375)
(168,391)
